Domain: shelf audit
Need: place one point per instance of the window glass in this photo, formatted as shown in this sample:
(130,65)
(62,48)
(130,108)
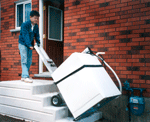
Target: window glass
(27,11)
(55,23)
(19,15)
(22,13)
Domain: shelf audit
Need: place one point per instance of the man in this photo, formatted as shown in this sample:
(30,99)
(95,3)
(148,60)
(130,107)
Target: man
(29,31)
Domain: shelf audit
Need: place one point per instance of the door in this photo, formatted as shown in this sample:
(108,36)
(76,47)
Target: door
(54,32)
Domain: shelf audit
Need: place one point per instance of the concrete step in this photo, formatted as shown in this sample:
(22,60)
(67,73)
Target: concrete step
(34,115)
(26,90)
(41,101)
(30,101)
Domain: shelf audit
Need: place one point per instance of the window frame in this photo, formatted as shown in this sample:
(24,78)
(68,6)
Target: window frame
(61,38)
(19,3)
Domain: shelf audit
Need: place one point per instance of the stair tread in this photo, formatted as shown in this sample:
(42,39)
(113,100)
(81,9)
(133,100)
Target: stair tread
(20,84)
(46,94)
(54,108)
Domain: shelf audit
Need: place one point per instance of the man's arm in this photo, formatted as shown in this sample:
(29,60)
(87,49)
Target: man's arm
(37,35)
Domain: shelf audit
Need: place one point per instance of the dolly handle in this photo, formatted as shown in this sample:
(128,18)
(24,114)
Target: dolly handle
(100,53)
(112,72)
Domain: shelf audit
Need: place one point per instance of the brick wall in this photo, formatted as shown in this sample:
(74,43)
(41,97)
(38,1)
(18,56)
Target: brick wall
(118,27)
(10,58)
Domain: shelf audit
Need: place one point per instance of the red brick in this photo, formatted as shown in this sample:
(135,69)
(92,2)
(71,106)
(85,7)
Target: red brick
(145,86)
(115,10)
(148,82)
(93,5)
(113,48)
(133,3)
(145,26)
(148,13)
(147,56)
(145,18)
(138,31)
(148,64)
(114,2)
(132,60)
(114,64)
(85,15)
(138,39)
(113,41)
(109,14)
(133,27)
(121,29)
(121,21)
(121,36)
(138,72)
(147,47)
(121,45)
(134,19)
(133,36)
(99,31)
(147,30)
(110,30)
(125,48)
(93,21)
(126,8)
(122,76)
(104,19)
(126,24)
(121,60)
(145,9)
(113,33)
(138,14)
(133,76)
(138,64)
(139,6)
(120,52)
(121,5)
(126,72)
(144,43)
(139,23)
(121,68)
(100,1)
(109,45)
(144,51)
(139,81)
(110,60)
(125,1)
(115,18)
(138,56)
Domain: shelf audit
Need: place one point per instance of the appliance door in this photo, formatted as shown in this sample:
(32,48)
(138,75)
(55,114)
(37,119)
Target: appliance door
(79,91)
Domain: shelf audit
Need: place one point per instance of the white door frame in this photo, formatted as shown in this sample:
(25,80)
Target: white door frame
(41,32)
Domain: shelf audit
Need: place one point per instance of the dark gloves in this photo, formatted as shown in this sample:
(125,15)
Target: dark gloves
(38,44)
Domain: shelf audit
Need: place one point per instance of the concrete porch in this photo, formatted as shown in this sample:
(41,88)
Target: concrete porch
(32,101)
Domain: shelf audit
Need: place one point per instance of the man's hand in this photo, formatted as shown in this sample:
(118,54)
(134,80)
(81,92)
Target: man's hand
(31,48)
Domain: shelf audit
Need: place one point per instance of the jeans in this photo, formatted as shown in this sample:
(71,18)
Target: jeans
(26,60)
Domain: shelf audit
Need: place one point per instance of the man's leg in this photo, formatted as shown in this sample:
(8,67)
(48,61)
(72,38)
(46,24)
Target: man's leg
(29,61)
(23,52)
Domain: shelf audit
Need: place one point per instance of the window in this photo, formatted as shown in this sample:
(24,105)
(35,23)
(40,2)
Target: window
(55,24)
(22,12)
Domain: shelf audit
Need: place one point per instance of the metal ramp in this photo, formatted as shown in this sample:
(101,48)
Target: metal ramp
(50,65)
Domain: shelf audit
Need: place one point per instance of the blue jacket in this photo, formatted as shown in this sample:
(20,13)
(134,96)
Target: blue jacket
(26,36)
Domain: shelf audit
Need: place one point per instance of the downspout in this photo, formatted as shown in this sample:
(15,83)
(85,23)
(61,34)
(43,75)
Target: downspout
(41,33)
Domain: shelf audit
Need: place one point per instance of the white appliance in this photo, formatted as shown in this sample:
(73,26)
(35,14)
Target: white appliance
(83,82)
